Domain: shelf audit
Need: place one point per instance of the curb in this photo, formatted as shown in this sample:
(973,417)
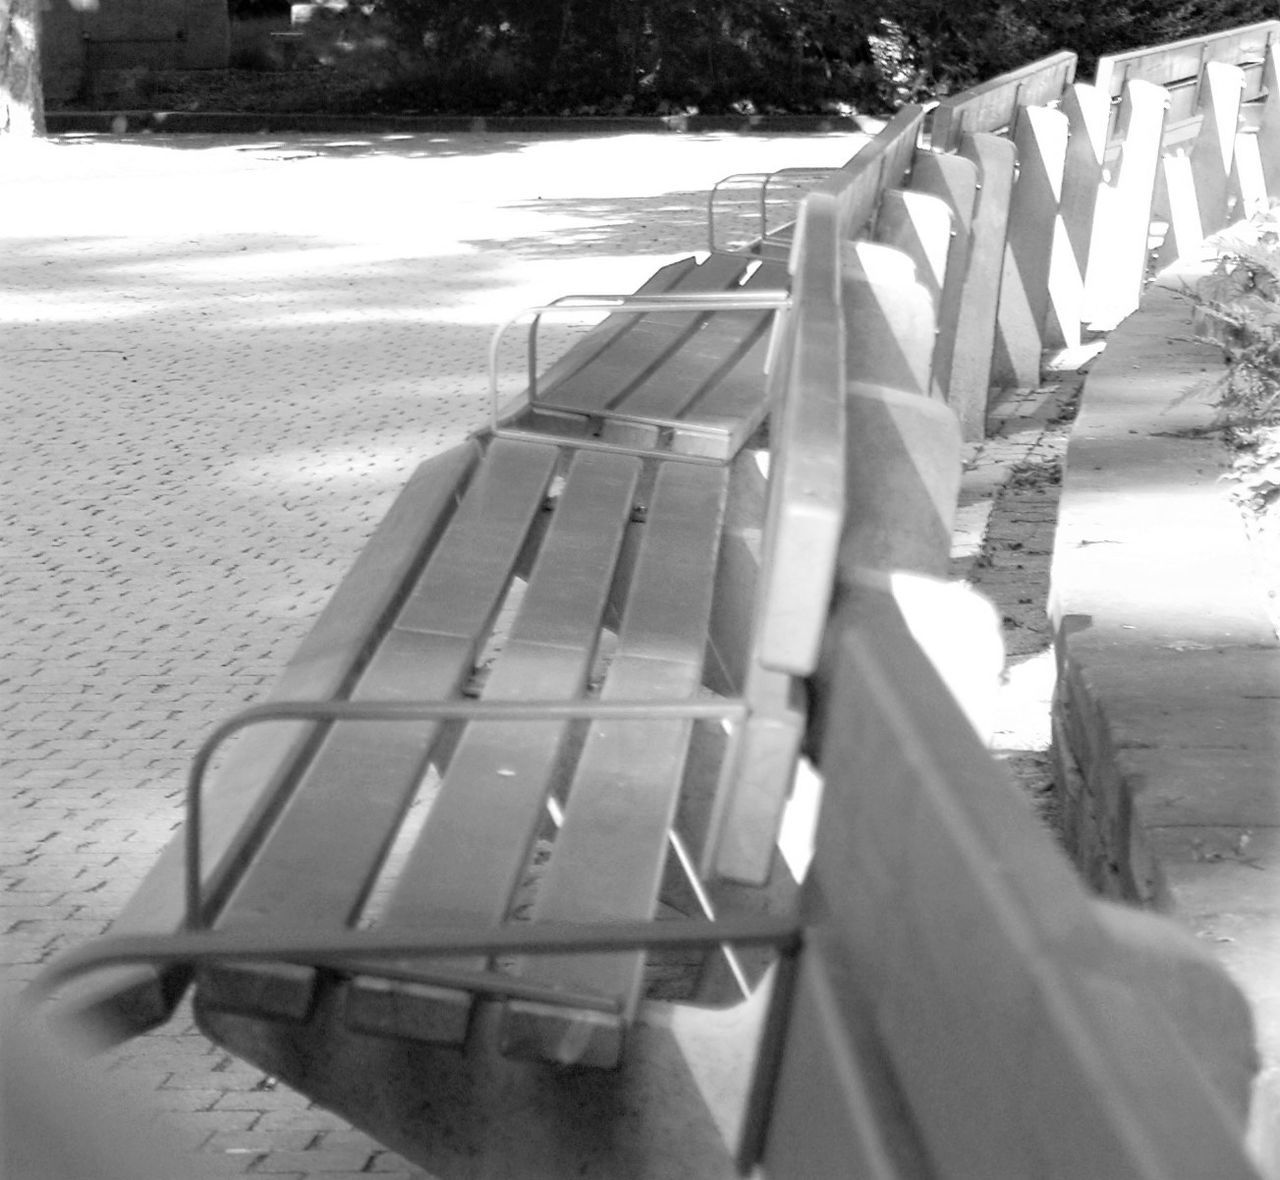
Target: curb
(237,123)
(1167,708)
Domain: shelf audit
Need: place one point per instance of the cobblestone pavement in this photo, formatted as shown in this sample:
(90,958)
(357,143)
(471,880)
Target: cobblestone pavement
(220,359)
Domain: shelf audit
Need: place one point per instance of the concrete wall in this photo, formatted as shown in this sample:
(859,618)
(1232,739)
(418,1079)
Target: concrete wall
(79,41)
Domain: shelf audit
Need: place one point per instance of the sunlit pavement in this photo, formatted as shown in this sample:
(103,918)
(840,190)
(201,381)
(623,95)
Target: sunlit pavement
(219,359)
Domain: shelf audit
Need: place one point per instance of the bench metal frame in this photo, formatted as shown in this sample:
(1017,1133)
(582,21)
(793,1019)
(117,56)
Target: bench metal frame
(500,413)
(760,181)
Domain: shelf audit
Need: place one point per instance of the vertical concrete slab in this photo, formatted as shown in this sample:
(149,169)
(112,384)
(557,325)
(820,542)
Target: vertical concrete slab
(1177,199)
(891,317)
(1269,123)
(1041,140)
(1122,218)
(922,227)
(970,380)
(1087,109)
(954,180)
(902,466)
(1221,89)
(902,479)
(1247,187)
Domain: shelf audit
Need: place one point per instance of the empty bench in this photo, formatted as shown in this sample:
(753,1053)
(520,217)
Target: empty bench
(565,646)
(628,744)
(579,639)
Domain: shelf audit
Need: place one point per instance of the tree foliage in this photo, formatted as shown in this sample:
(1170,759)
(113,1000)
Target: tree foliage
(952,45)
(21,101)
(635,53)
(642,55)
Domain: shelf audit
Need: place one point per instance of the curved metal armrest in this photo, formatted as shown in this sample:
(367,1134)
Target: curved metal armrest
(342,948)
(734,179)
(732,709)
(627,304)
(761,181)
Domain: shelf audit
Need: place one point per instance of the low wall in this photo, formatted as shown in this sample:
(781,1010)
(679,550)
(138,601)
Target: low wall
(1167,719)
(78,42)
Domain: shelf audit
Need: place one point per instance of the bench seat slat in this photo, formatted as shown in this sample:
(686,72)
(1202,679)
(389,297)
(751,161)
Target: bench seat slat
(604,334)
(472,565)
(471,855)
(599,385)
(672,389)
(608,858)
(317,865)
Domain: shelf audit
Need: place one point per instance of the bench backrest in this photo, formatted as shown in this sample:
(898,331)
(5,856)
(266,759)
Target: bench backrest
(1179,65)
(963,1007)
(855,345)
(992,105)
(806,501)
(881,165)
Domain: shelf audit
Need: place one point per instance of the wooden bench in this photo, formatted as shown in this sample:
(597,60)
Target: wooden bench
(640,723)
(613,590)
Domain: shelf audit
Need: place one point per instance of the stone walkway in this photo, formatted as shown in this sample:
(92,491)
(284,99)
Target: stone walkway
(220,359)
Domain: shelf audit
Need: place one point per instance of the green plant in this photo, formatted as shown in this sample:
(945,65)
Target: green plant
(1241,298)
(251,44)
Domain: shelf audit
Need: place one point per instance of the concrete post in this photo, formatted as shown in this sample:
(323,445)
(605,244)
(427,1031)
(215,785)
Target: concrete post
(1041,140)
(994,158)
(1122,218)
(954,180)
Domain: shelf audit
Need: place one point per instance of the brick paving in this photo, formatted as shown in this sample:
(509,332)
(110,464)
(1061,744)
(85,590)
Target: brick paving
(220,360)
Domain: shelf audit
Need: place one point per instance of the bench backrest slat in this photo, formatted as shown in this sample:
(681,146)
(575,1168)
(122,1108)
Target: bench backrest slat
(1180,62)
(880,165)
(992,105)
(806,504)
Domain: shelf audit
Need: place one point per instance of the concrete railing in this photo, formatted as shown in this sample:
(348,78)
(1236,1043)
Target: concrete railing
(956,965)
(1168,145)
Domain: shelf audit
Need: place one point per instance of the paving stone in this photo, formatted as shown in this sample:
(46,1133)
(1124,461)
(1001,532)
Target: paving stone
(210,1122)
(251,1098)
(310,1118)
(322,1162)
(257,1141)
(167,1099)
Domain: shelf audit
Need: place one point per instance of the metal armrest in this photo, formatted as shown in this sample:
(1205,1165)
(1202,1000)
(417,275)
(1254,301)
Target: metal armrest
(344,948)
(760,181)
(196,943)
(627,304)
(733,710)
(742,179)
